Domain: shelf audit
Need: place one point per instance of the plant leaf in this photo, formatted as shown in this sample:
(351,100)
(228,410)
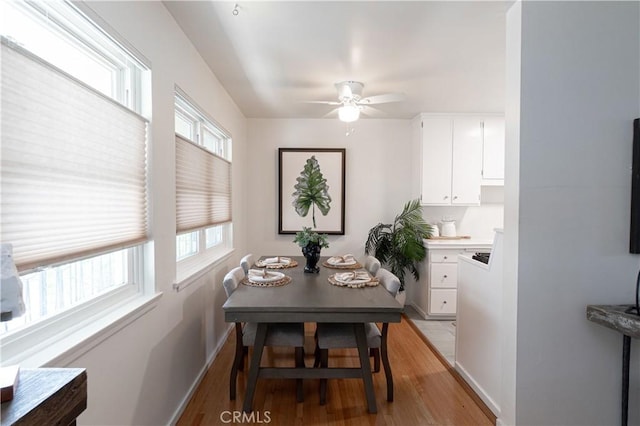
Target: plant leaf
(399,246)
(311,189)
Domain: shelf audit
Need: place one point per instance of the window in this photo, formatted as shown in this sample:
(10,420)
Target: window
(73,165)
(203,184)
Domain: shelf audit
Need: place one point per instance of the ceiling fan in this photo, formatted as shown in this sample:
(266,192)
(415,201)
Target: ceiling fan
(351,103)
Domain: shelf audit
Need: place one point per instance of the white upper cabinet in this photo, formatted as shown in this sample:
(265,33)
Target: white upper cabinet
(451,160)
(493,151)
(437,155)
(467,161)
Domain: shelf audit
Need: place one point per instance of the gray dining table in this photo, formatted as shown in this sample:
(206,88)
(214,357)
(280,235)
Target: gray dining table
(310,297)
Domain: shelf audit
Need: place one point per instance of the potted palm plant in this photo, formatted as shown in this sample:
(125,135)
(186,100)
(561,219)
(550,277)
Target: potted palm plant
(311,191)
(399,245)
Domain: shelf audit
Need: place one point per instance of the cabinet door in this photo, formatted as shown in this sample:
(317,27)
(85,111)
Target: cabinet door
(467,161)
(444,275)
(442,302)
(493,149)
(436,161)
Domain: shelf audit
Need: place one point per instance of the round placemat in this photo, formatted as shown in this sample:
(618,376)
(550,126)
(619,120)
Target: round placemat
(283,281)
(330,266)
(261,264)
(371,283)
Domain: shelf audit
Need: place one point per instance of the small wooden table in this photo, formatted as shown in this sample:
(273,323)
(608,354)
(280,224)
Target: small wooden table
(311,298)
(47,396)
(617,317)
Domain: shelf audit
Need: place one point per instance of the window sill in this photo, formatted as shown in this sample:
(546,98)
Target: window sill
(62,351)
(190,271)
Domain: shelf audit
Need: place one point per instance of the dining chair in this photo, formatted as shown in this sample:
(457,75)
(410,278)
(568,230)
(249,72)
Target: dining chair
(339,335)
(279,334)
(246,262)
(372,265)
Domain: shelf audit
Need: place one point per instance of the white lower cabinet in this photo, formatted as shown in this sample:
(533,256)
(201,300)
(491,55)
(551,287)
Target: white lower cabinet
(436,294)
(442,301)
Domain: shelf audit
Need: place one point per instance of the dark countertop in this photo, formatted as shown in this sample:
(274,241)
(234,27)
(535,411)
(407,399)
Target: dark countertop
(615,317)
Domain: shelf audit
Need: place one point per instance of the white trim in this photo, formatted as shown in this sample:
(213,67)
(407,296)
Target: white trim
(189,272)
(493,406)
(61,351)
(194,386)
(110,32)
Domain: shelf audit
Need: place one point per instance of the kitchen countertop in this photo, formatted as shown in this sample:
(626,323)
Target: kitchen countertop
(461,243)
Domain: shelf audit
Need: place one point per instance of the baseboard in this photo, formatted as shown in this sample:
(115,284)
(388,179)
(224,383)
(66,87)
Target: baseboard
(499,422)
(472,393)
(185,401)
(422,313)
(495,409)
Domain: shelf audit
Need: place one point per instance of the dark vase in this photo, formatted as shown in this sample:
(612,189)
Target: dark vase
(312,253)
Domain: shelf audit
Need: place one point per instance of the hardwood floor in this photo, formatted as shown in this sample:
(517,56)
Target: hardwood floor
(426,392)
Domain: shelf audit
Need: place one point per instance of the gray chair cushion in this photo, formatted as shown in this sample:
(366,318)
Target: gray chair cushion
(280,334)
(388,281)
(371,264)
(338,335)
(246,262)
(232,280)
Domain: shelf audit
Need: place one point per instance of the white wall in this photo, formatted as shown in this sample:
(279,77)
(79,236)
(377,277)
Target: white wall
(378,177)
(142,373)
(476,221)
(579,92)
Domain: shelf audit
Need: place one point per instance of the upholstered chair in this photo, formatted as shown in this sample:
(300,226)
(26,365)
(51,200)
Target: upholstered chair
(337,335)
(280,334)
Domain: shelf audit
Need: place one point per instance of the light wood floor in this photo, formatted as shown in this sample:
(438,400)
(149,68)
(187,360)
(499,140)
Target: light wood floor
(426,391)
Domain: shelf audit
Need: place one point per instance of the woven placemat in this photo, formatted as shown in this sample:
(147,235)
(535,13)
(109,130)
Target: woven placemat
(371,283)
(356,265)
(292,264)
(283,281)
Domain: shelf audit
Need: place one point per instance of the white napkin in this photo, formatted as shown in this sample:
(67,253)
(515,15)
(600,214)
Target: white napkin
(260,273)
(347,259)
(277,260)
(355,276)
(263,275)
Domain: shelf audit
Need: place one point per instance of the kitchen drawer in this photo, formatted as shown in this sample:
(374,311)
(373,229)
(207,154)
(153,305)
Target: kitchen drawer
(446,256)
(444,275)
(442,302)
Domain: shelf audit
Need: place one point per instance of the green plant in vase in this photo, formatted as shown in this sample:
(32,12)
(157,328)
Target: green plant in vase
(311,191)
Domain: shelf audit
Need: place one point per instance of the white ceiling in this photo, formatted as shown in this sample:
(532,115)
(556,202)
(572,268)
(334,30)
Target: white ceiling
(272,56)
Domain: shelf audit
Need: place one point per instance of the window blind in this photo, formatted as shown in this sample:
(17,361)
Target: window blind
(203,187)
(73,166)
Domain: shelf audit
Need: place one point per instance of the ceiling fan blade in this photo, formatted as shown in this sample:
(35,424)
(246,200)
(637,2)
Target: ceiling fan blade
(381,99)
(331,114)
(322,102)
(372,112)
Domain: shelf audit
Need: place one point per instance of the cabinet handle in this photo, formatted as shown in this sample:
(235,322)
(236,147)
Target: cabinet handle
(445,197)
(444,303)
(444,276)
(445,257)
(455,197)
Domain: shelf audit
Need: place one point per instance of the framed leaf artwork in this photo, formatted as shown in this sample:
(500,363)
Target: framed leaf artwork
(311,190)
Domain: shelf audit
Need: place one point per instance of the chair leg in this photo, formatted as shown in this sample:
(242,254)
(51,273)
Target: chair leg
(245,355)
(238,360)
(299,364)
(324,363)
(316,357)
(385,363)
(375,353)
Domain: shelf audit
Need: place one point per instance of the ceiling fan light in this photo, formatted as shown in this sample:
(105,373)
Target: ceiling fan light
(349,113)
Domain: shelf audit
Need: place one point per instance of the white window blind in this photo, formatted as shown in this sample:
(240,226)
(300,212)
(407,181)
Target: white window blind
(73,166)
(203,187)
